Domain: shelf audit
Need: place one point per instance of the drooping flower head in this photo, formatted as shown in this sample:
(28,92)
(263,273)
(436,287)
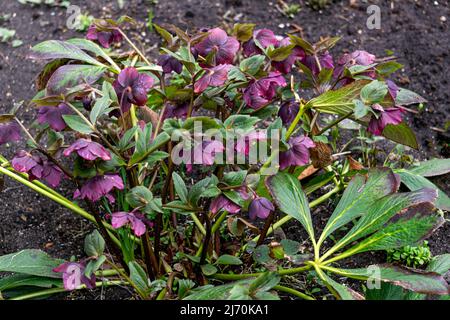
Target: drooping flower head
(105,37)
(298,153)
(223,203)
(37,168)
(53,116)
(264,37)
(260,207)
(288,111)
(223,46)
(169,64)
(177,111)
(214,77)
(119,219)
(74,275)
(325,60)
(358,57)
(9,132)
(100,186)
(260,93)
(88,150)
(285,66)
(385,116)
(132,88)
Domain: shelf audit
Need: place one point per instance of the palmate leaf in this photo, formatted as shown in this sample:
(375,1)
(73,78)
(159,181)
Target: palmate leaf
(361,192)
(410,279)
(291,199)
(416,181)
(55,49)
(405,228)
(31,262)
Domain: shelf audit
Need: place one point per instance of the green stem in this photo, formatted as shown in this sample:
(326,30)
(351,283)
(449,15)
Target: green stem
(47,292)
(198,223)
(281,272)
(294,123)
(293,292)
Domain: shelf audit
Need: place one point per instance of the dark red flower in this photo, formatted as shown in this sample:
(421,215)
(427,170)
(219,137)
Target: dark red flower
(260,93)
(288,111)
(132,88)
(261,208)
(223,46)
(53,116)
(9,132)
(105,37)
(325,61)
(264,37)
(88,150)
(100,186)
(169,64)
(74,275)
(285,66)
(385,116)
(223,203)
(214,77)
(177,111)
(298,153)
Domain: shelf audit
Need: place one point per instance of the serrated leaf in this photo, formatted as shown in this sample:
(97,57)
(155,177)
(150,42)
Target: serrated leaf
(440,264)
(252,65)
(407,97)
(70,76)
(402,134)
(431,168)
(31,262)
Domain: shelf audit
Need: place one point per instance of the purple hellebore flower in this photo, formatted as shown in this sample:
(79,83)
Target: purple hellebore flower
(223,203)
(358,57)
(88,150)
(105,38)
(325,60)
(178,111)
(265,37)
(119,219)
(393,89)
(259,93)
(261,208)
(214,77)
(205,152)
(73,275)
(53,116)
(298,153)
(37,168)
(385,116)
(169,64)
(217,41)
(244,142)
(100,186)
(132,87)
(288,111)
(9,132)
(285,66)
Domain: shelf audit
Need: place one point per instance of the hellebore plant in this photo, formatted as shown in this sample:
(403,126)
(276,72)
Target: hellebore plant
(188,164)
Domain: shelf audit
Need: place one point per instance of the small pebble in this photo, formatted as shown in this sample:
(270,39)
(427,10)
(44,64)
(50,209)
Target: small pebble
(443,19)
(281,25)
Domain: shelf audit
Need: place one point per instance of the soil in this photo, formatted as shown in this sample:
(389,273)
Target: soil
(416,31)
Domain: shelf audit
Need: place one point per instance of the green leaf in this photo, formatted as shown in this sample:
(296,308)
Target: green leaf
(94,265)
(235,178)
(243,31)
(374,92)
(236,74)
(55,49)
(280,53)
(227,259)
(381,211)
(100,106)
(240,122)
(180,187)
(402,134)
(415,182)
(388,67)
(290,198)
(24,280)
(345,293)
(208,269)
(252,65)
(290,247)
(31,262)
(209,292)
(431,168)
(440,264)
(406,228)
(138,276)
(361,110)
(262,254)
(90,46)
(139,196)
(264,282)
(410,279)
(406,97)
(72,75)
(94,244)
(387,291)
(359,195)
(76,123)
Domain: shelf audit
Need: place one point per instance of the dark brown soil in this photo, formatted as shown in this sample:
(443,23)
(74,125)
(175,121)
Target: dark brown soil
(414,30)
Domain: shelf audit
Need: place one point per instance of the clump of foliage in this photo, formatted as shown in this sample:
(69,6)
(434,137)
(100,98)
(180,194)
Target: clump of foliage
(411,256)
(165,159)
(318,4)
